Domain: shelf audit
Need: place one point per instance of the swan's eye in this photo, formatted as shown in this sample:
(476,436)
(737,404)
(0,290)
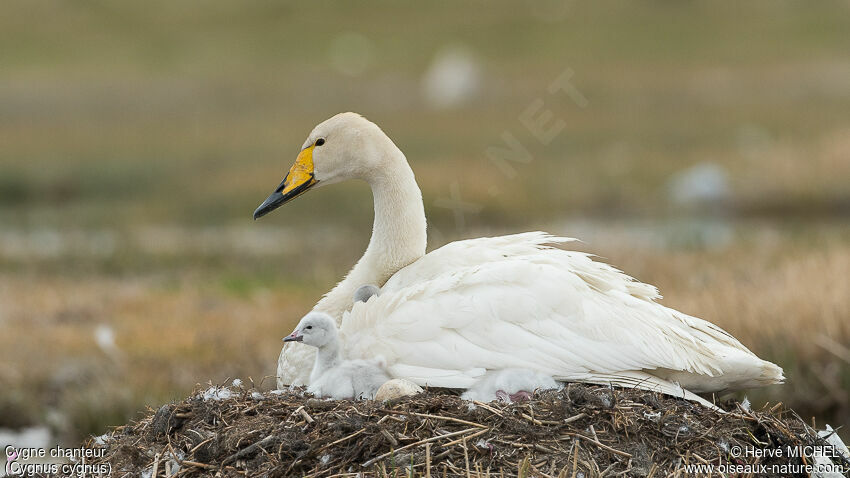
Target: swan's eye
(320,141)
(309,327)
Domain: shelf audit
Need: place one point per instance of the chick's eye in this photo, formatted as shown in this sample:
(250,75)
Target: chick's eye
(309,327)
(320,141)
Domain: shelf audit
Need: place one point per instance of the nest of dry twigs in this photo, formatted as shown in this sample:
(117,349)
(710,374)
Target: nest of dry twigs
(583,430)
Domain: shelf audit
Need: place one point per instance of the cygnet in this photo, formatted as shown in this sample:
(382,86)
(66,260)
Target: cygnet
(364,292)
(332,376)
(509,385)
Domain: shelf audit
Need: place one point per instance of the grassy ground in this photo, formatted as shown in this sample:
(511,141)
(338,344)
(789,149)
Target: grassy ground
(137,140)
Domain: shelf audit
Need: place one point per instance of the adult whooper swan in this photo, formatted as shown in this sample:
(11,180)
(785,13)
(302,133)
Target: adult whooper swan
(446,318)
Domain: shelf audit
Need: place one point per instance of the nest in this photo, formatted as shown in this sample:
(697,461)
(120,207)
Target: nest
(582,430)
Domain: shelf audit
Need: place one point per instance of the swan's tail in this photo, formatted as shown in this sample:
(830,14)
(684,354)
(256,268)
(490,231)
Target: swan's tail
(739,369)
(642,381)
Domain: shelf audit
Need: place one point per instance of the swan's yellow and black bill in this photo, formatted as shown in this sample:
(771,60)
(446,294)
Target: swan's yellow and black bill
(299,179)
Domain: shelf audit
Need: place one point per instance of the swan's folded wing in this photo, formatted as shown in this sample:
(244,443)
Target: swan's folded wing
(529,306)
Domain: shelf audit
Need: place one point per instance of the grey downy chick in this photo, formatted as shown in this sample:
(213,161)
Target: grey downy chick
(509,385)
(364,292)
(332,376)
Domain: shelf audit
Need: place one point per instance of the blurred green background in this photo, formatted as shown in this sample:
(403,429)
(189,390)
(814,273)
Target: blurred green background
(705,149)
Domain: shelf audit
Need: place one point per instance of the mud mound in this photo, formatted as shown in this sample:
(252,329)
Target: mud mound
(580,431)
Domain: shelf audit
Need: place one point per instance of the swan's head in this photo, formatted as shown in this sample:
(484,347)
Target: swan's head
(346,146)
(316,328)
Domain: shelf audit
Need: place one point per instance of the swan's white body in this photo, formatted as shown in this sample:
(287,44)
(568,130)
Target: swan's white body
(445,318)
(512,301)
(502,384)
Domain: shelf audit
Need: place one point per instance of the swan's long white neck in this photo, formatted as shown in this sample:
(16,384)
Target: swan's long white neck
(398,233)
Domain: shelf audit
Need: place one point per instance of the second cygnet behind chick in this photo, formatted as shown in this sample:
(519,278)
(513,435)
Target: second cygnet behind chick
(508,385)
(332,376)
(364,292)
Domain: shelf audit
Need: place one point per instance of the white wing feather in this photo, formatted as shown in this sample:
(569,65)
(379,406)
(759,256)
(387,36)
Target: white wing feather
(512,301)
